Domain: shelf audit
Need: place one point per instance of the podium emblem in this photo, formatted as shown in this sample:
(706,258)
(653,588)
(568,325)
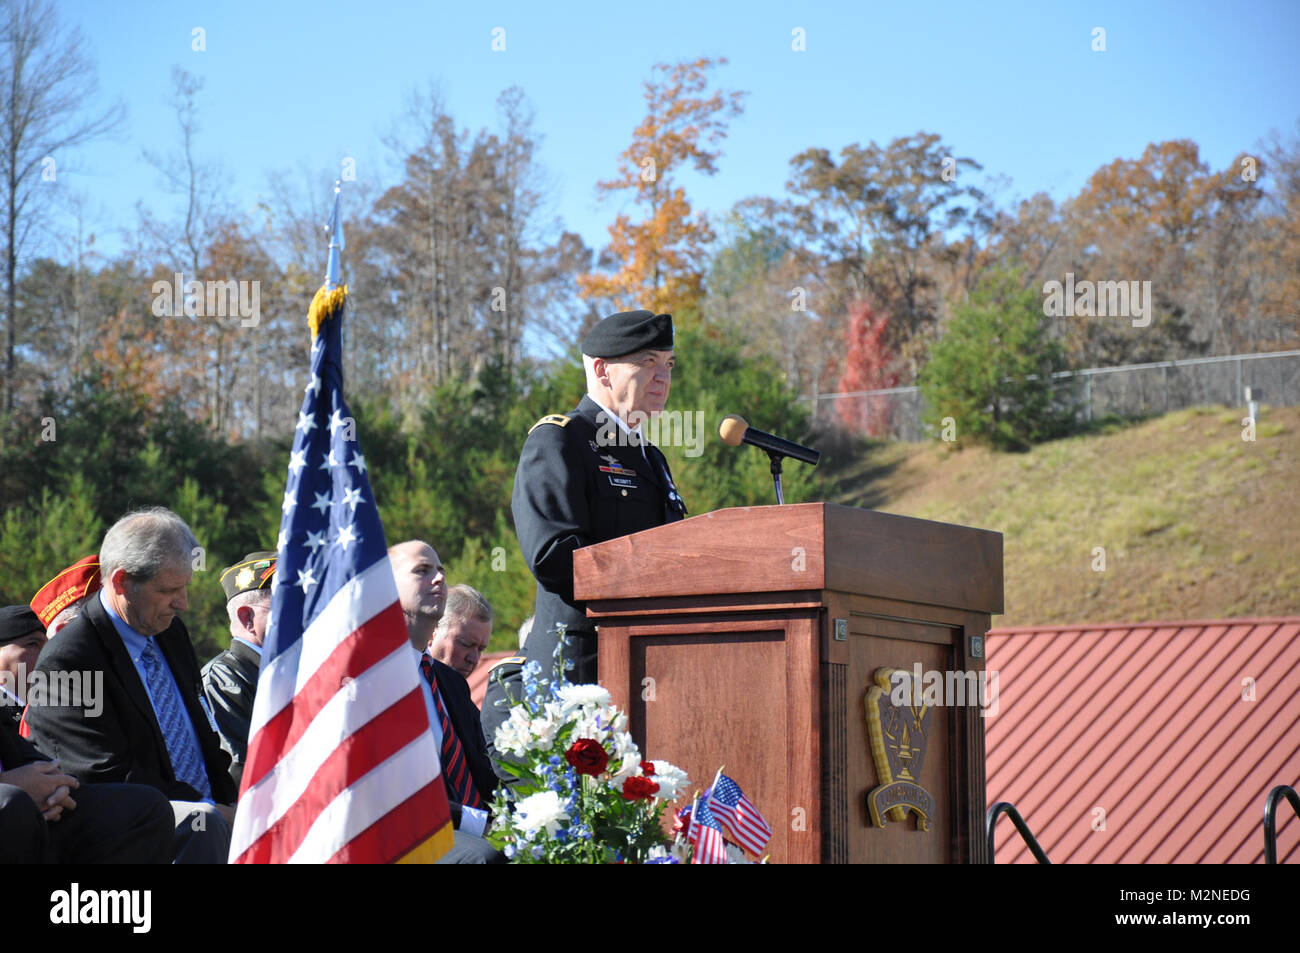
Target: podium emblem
(898,735)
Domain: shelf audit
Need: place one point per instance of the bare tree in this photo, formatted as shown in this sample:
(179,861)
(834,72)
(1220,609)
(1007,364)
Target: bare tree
(47,77)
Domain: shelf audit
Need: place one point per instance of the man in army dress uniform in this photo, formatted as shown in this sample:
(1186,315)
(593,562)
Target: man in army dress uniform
(230,679)
(589,475)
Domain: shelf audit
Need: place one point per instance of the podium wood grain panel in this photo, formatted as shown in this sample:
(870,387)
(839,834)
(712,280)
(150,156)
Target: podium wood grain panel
(706,692)
(750,637)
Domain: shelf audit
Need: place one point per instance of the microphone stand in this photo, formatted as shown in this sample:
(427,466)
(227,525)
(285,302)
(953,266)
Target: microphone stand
(776,475)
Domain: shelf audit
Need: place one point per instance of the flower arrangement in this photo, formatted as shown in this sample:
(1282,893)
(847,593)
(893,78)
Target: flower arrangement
(583,794)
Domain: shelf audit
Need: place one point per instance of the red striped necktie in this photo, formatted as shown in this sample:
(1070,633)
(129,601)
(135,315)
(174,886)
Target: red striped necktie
(454,765)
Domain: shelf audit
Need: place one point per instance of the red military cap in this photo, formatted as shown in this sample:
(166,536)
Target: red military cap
(79,580)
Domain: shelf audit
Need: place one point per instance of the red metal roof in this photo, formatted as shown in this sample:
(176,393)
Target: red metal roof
(1148,723)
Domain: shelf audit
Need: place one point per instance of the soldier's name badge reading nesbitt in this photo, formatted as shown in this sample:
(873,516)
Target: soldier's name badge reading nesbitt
(628,482)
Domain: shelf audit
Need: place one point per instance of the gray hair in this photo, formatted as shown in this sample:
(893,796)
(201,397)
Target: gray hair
(144,542)
(525,630)
(249,597)
(463,603)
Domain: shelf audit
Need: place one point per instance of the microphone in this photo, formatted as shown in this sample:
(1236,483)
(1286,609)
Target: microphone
(735,431)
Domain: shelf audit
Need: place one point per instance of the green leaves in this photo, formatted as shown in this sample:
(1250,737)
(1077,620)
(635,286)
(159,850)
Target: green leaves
(991,371)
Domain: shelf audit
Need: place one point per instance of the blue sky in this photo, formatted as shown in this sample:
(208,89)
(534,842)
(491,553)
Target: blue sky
(1016,86)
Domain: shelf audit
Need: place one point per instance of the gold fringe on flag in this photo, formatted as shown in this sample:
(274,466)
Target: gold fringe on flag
(438,844)
(326,304)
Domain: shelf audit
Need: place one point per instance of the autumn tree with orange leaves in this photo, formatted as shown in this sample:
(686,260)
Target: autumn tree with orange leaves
(662,257)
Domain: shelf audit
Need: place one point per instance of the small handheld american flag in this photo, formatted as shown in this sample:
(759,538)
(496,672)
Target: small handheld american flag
(738,815)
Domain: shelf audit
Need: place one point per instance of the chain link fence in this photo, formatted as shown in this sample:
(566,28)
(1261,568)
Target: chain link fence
(1132,390)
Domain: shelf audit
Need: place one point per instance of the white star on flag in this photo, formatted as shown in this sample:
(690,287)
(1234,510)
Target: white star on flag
(315,540)
(297,461)
(322,502)
(336,422)
(306,579)
(346,536)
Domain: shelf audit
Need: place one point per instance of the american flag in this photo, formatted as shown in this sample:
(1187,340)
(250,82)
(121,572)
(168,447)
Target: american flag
(738,815)
(706,835)
(342,766)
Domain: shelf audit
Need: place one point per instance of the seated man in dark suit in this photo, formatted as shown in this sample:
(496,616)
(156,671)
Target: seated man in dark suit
(454,720)
(230,679)
(46,817)
(152,726)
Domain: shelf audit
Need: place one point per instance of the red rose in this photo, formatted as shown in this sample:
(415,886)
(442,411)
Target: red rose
(635,789)
(587,756)
(648,768)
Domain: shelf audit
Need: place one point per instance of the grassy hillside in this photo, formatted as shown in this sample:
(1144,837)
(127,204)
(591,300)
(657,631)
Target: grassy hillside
(1195,521)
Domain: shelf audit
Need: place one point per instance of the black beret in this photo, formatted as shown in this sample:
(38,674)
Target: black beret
(17,621)
(254,571)
(629,331)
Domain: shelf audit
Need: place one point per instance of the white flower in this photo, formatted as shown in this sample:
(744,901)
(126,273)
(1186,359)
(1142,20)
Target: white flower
(624,746)
(586,726)
(514,733)
(545,728)
(672,780)
(735,855)
(543,810)
(580,696)
(630,767)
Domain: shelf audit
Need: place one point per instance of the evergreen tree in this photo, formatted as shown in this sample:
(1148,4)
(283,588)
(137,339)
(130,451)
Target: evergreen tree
(991,371)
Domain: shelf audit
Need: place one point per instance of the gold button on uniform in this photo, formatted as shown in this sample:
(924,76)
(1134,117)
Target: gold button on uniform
(625,492)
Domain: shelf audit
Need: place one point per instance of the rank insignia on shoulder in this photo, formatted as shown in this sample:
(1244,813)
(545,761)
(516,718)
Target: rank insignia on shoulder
(558,419)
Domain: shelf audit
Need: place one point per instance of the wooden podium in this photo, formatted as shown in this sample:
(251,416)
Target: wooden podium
(750,637)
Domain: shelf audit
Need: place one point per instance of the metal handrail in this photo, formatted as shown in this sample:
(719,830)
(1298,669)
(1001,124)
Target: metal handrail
(991,819)
(1270,818)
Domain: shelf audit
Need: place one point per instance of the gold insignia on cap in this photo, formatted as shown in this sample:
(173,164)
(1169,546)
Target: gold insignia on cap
(245,578)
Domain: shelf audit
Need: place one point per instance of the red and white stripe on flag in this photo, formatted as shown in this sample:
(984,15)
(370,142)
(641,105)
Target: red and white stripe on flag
(342,766)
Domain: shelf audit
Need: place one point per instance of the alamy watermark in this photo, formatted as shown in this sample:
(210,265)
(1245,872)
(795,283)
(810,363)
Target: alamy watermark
(948,689)
(54,689)
(668,428)
(209,299)
(1098,299)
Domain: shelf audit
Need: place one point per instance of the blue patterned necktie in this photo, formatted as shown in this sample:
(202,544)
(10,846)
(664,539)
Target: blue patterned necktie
(187,765)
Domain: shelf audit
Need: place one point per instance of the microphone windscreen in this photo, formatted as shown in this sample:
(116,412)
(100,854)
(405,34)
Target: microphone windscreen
(732,429)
